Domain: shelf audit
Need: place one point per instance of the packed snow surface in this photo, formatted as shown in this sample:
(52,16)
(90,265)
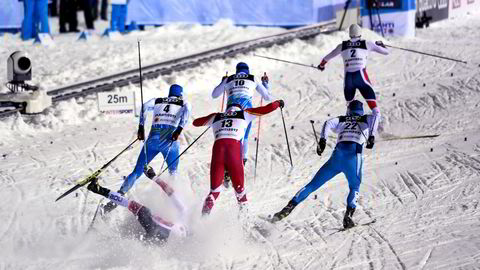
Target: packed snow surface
(423,193)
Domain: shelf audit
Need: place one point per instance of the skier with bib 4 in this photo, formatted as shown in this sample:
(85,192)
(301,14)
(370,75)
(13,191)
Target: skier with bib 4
(347,158)
(240,88)
(229,130)
(355,53)
(170,115)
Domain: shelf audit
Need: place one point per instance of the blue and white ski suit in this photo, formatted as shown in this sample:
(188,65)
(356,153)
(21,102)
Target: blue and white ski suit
(168,114)
(239,88)
(346,158)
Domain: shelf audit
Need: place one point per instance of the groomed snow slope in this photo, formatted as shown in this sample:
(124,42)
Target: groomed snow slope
(423,192)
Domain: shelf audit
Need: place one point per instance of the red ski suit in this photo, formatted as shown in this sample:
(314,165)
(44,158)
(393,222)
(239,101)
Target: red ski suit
(229,129)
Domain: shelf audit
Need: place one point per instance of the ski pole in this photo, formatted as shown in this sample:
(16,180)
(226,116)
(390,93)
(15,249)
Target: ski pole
(95,174)
(168,152)
(429,54)
(286,137)
(223,98)
(410,137)
(258,141)
(285,61)
(314,132)
(141,99)
(168,165)
(344,13)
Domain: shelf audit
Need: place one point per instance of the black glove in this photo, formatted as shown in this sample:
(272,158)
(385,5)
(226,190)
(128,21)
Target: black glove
(281,103)
(141,133)
(321,66)
(176,133)
(322,143)
(96,188)
(380,43)
(149,172)
(370,142)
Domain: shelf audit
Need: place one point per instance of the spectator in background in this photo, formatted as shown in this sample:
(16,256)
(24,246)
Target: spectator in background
(35,18)
(53,8)
(119,15)
(87,6)
(68,15)
(103,10)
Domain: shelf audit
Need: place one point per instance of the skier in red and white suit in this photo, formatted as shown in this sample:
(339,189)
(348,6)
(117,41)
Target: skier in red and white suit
(229,129)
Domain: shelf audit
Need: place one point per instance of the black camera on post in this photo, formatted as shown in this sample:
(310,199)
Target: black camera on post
(30,98)
(19,70)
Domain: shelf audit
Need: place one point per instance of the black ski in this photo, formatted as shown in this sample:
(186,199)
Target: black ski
(356,226)
(95,174)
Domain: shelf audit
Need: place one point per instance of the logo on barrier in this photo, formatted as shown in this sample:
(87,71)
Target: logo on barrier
(387,27)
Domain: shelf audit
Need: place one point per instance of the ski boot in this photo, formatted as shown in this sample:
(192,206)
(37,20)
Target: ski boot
(96,188)
(149,172)
(284,212)
(347,219)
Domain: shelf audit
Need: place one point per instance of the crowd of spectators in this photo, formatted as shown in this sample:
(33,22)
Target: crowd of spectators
(36,14)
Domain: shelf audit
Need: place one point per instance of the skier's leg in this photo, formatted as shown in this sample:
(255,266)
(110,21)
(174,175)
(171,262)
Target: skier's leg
(245,142)
(353,170)
(155,227)
(217,168)
(349,87)
(363,83)
(234,166)
(325,173)
(171,160)
(152,151)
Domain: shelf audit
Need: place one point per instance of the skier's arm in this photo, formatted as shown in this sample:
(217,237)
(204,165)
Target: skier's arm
(147,106)
(219,89)
(371,46)
(333,53)
(204,121)
(251,113)
(186,111)
(329,125)
(262,89)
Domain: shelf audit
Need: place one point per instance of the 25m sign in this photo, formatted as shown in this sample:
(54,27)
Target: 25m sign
(116,102)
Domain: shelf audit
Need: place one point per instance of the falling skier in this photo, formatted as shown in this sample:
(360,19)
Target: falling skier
(229,129)
(240,88)
(170,115)
(355,53)
(156,228)
(347,157)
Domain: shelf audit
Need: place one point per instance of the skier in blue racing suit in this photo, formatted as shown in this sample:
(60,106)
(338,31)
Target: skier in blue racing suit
(170,115)
(353,131)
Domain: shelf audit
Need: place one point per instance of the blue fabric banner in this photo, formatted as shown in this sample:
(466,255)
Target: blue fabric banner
(245,12)
(11,14)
